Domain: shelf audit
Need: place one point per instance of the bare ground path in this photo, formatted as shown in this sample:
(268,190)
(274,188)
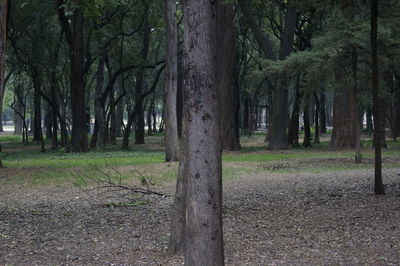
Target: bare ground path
(269,218)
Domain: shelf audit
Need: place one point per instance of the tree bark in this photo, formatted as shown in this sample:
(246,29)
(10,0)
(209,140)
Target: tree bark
(172,145)
(306,118)
(278,138)
(323,111)
(3,41)
(202,148)
(100,116)
(379,188)
(293,135)
(75,41)
(226,82)
(396,108)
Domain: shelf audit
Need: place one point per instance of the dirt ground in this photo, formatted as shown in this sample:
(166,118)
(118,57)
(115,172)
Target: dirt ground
(270,218)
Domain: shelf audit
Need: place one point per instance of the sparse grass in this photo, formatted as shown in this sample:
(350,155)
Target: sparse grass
(58,167)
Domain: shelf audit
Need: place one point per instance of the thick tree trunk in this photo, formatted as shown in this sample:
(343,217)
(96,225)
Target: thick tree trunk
(379,188)
(278,138)
(345,116)
(226,82)
(79,140)
(172,145)
(202,149)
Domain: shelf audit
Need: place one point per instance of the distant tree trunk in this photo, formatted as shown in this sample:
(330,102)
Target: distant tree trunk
(37,117)
(75,41)
(354,62)
(100,116)
(148,116)
(3,41)
(172,145)
(119,113)
(247,115)
(369,120)
(202,148)
(317,109)
(293,135)
(226,70)
(113,123)
(128,128)
(379,188)
(323,111)
(278,138)
(306,118)
(396,108)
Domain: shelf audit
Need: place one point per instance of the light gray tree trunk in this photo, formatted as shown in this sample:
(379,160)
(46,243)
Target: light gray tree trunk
(171,85)
(202,148)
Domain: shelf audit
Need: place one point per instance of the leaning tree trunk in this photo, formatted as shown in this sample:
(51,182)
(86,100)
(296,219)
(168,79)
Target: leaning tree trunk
(172,146)
(226,82)
(202,148)
(379,188)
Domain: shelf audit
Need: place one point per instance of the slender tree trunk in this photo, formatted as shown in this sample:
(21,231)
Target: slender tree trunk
(3,41)
(379,188)
(202,150)
(323,111)
(317,128)
(119,114)
(171,85)
(396,108)
(306,118)
(37,117)
(100,139)
(226,82)
(358,155)
(293,135)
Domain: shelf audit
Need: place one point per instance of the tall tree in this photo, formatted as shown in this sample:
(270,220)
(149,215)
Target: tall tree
(226,70)
(172,146)
(202,147)
(74,34)
(3,38)
(379,188)
(278,138)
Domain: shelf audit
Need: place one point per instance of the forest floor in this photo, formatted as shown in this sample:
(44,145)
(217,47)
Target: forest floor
(302,211)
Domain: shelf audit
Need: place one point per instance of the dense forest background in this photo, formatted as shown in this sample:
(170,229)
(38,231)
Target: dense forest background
(100,69)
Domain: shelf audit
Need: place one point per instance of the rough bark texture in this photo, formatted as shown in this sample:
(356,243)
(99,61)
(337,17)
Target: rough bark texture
(171,85)
(278,138)
(379,188)
(345,116)
(3,38)
(202,149)
(226,82)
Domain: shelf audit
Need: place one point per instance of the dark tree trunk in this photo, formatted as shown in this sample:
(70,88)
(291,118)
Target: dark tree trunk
(306,118)
(113,119)
(354,62)
(37,117)
(368,114)
(293,135)
(3,41)
(345,116)
(119,113)
(317,108)
(226,82)
(75,40)
(323,111)
(99,137)
(278,138)
(172,145)
(247,116)
(396,108)
(139,132)
(202,147)
(379,188)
